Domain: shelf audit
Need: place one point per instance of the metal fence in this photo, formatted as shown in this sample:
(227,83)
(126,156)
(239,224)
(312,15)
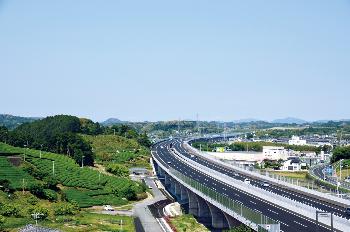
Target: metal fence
(237,207)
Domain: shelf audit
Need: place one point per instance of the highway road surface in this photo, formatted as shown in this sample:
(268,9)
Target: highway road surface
(290,221)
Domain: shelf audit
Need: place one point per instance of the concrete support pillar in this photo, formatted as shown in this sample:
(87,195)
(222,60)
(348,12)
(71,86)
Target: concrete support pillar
(160,172)
(193,205)
(156,167)
(218,218)
(183,194)
(231,221)
(172,185)
(167,180)
(177,189)
(204,214)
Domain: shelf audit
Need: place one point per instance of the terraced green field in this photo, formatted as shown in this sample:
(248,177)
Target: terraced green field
(87,187)
(93,197)
(15,175)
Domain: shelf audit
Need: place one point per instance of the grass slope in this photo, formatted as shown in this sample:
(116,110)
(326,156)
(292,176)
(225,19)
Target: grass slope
(119,150)
(186,223)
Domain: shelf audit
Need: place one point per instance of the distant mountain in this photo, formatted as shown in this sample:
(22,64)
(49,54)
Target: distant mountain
(289,120)
(245,120)
(111,121)
(11,121)
(330,120)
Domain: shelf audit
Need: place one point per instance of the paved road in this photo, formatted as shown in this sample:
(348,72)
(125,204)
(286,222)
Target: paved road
(142,212)
(290,221)
(318,171)
(315,202)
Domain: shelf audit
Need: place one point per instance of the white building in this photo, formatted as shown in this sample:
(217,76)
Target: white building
(251,157)
(275,153)
(296,141)
(293,164)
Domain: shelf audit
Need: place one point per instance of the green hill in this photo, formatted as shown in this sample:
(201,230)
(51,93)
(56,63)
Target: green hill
(114,148)
(11,121)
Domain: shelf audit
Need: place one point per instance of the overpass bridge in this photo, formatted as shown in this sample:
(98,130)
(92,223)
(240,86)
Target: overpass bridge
(218,200)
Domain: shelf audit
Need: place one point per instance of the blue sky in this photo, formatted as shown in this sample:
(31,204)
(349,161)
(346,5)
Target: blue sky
(164,60)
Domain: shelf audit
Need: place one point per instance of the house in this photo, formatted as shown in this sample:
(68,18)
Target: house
(296,141)
(293,164)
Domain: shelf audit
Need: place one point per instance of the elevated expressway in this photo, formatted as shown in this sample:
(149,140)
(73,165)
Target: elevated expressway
(215,194)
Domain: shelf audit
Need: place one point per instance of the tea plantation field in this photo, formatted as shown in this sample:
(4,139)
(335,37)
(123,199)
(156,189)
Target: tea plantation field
(85,186)
(15,175)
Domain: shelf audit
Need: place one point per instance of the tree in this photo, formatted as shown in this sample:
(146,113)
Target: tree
(143,140)
(3,134)
(9,210)
(65,208)
(4,184)
(128,191)
(2,221)
(89,127)
(118,170)
(57,134)
(340,153)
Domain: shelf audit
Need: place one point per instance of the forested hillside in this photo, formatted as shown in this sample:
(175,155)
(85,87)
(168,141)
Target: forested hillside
(72,136)
(11,121)
(54,134)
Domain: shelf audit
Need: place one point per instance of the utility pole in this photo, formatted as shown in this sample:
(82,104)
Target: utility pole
(340,168)
(23,186)
(114,132)
(25,148)
(198,128)
(224,131)
(178,126)
(82,161)
(53,167)
(41,149)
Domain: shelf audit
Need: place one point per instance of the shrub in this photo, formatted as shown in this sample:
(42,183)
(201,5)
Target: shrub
(9,210)
(128,191)
(32,200)
(118,170)
(50,195)
(39,191)
(51,183)
(65,209)
(2,221)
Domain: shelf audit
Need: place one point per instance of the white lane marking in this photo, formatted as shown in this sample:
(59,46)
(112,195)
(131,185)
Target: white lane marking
(272,211)
(300,224)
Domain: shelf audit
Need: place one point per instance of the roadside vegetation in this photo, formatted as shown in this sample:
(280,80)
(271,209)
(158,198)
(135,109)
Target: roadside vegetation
(187,223)
(341,153)
(15,212)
